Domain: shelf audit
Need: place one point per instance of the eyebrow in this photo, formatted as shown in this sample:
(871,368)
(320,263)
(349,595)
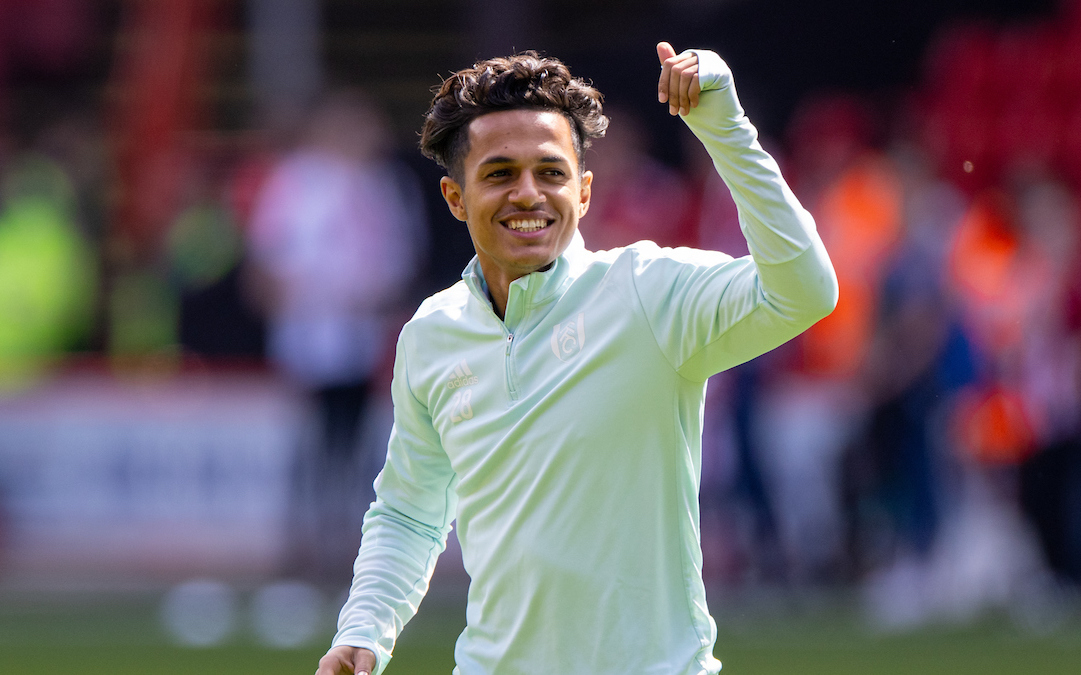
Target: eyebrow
(547,159)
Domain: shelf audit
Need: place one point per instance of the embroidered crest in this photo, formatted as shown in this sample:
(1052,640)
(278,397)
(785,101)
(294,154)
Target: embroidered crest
(569,338)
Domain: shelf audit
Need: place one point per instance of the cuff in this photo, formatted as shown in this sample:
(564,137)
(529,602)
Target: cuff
(713,72)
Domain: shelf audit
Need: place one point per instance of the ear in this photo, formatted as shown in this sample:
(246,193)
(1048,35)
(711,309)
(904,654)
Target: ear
(585,194)
(452,193)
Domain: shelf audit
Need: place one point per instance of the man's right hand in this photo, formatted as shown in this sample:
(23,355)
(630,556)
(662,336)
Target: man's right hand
(347,661)
(678,85)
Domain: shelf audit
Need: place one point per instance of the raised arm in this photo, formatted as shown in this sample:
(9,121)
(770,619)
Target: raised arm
(721,312)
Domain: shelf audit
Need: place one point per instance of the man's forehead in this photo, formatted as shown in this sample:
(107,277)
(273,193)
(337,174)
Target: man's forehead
(548,128)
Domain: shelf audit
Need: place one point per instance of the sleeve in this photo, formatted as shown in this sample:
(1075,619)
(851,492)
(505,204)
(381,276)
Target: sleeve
(707,311)
(405,529)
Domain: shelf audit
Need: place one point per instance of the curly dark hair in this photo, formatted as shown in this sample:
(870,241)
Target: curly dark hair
(525,80)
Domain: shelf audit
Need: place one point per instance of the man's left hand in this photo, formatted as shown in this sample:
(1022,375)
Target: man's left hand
(678,85)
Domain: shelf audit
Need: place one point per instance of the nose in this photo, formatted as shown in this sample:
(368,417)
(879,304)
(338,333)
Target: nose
(526,192)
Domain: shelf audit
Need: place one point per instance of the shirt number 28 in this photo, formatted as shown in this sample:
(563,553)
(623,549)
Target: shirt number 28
(461,407)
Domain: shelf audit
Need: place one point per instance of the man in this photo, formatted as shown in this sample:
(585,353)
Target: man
(551,402)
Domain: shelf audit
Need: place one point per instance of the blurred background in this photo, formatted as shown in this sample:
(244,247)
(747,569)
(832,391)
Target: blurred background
(214,220)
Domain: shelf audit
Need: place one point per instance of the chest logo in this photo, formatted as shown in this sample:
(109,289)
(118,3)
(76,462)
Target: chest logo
(462,376)
(461,403)
(569,338)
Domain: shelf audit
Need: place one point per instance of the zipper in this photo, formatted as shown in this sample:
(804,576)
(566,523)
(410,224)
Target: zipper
(512,385)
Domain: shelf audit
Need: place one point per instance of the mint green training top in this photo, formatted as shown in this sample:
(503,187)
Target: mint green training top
(566,438)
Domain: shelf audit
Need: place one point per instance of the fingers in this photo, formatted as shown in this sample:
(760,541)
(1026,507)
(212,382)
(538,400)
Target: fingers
(665,51)
(678,84)
(682,79)
(363,662)
(335,662)
(331,666)
(347,661)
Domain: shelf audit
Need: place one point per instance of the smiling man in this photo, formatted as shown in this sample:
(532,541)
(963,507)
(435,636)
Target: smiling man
(551,402)
(520,191)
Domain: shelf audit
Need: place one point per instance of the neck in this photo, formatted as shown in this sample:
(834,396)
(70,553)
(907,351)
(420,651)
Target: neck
(499,296)
(498,282)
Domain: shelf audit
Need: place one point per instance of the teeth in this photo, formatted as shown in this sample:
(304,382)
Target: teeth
(527,225)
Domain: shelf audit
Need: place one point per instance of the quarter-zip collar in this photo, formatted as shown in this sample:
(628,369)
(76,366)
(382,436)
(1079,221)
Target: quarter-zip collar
(538,287)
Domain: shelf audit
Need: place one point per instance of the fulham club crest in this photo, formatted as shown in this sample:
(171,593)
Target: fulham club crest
(569,338)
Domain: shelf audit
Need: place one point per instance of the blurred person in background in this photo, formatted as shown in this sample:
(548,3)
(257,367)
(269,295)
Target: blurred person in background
(1010,263)
(746,548)
(897,472)
(1003,105)
(808,407)
(334,242)
(206,253)
(48,270)
(51,189)
(1051,478)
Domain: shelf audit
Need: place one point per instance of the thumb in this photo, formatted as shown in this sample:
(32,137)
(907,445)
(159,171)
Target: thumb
(664,51)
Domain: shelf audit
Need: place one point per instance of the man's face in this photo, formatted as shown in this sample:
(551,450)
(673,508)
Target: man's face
(522,194)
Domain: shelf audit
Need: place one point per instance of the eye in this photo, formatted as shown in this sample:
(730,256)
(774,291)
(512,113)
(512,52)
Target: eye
(499,173)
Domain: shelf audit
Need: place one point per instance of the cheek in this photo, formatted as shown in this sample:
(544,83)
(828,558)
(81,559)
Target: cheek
(571,194)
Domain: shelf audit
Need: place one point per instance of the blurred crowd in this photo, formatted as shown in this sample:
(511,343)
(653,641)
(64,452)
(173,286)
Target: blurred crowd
(923,441)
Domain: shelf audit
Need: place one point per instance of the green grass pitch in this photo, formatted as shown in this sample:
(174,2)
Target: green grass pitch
(122,636)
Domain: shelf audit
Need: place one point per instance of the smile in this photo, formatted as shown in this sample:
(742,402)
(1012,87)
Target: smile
(526,225)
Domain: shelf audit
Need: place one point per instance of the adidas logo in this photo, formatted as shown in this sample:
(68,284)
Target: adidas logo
(462,376)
